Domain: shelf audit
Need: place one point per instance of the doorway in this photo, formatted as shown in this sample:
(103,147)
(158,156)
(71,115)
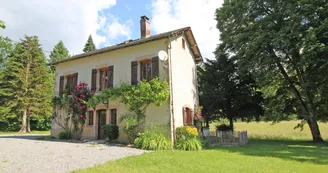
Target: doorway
(101,114)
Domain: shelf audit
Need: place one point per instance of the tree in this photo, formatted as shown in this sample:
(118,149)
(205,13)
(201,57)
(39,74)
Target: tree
(89,45)
(227,92)
(59,52)
(2,24)
(6,48)
(26,84)
(283,44)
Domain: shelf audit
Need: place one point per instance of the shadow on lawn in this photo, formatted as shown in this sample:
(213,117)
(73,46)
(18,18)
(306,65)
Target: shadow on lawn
(302,151)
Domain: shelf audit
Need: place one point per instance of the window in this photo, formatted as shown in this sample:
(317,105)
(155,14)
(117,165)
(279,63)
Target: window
(61,84)
(90,117)
(113,116)
(102,79)
(183,43)
(69,84)
(145,70)
(187,116)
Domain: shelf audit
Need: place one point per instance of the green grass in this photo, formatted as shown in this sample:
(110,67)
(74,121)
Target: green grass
(277,148)
(282,130)
(33,132)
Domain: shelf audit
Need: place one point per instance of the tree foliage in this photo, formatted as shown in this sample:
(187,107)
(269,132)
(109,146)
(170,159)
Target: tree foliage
(228,92)
(284,44)
(2,24)
(136,97)
(89,45)
(6,47)
(59,52)
(26,83)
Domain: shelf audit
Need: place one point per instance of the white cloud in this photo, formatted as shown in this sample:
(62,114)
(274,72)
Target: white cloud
(116,29)
(198,14)
(70,21)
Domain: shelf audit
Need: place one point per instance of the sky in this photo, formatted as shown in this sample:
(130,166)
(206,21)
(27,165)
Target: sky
(108,21)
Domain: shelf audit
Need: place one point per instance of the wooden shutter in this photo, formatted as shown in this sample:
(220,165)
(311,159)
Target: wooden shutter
(94,80)
(110,76)
(155,67)
(134,72)
(184,116)
(61,84)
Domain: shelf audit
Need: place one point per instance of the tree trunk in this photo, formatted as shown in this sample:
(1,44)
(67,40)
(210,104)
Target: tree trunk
(314,127)
(28,122)
(306,105)
(231,122)
(23,128)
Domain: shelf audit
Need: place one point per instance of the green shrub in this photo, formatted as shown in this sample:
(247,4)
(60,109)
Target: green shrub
(223,127)
(129,125)
(189,144)
(64,135)
(154,138)
(186,132)
(187,138)
(110,131)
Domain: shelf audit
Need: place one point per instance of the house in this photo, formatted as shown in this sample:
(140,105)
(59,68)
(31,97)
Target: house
(130,62)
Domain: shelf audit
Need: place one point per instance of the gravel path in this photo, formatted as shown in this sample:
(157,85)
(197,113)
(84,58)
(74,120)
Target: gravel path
(25,154)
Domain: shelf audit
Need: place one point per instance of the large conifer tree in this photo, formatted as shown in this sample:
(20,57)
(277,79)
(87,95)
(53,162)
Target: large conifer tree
(89,45)
(59,52)
(26,82)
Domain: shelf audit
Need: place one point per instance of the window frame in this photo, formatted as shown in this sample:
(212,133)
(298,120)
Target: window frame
(69,83)
(90,118)
(102,71)
(145,64)
(111,116)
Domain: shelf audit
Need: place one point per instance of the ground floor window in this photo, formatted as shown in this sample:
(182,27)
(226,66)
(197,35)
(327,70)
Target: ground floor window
(90,118)
(113,116)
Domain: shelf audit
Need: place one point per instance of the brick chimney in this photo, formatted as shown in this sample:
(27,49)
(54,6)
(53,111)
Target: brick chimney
(144,27)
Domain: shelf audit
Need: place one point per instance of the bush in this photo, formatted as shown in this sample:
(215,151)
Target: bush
(129,125)
(65,135)
(187,138)
(154,138)
(189,144)
(110,131)
(223,127)
(186,132)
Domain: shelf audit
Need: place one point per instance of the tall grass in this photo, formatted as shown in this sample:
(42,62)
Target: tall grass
(153,138)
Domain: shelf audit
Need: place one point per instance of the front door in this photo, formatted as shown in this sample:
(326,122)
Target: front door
(101,121)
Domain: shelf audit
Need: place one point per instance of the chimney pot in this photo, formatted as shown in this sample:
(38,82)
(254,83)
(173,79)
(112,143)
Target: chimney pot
(144,27)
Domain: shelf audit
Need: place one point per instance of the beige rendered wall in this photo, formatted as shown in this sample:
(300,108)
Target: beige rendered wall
(121,59)
(184,79)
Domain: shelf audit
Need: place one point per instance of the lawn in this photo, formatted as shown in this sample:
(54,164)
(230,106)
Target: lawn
(277,148)
(283,130)
(33,132)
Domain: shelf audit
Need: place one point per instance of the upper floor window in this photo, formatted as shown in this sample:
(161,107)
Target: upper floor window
(145,70)
(102,79)
(105,78)
(183,43)
(70,83)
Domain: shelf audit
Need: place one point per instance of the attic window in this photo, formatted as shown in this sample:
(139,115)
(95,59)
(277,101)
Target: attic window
(183,43)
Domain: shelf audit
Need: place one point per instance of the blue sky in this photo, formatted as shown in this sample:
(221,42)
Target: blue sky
(108,21)
(125,10)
